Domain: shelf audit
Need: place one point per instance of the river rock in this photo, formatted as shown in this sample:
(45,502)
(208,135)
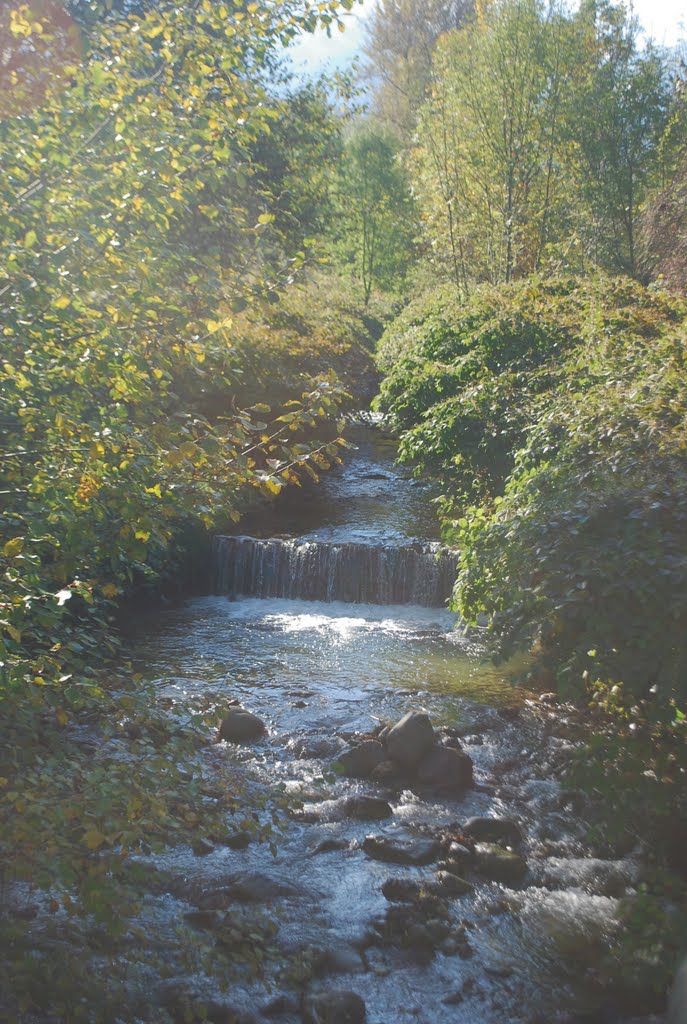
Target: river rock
(184,1003)
(447,769)
(493,830)
(202,919)
(359,762)
(388,773)
(202,847)
(340,959)
(401,890)
(415,852)
(499,865)
(410,739)
(334,1008)
(241,726)
(460,855)
(447,884)
(236,840)
(257,887)
(367,808)
(317,747)
(279,1006)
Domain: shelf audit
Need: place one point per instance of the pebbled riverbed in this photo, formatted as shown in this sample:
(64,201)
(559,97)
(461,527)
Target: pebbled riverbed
(315,902)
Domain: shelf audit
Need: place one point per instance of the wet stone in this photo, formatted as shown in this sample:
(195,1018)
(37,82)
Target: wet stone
(241,726)
(410,739)
(415,852)
(447,884)
(401,890)
(332,845)
(204,919)
(236,840)
(367,808)
(459,854)
(359,762)
(256,887)
(339,960)
(499,865)
(280,1006)
(387,773)
(493,830)
(446,769)
(334,1008)
(317,747)
(202,847)
(183,1003)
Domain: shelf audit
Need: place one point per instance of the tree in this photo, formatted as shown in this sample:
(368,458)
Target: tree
(373,215)
(619,107)
(401,40)
(488,160)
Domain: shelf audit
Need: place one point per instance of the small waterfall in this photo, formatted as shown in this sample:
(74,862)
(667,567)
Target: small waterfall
(416,573)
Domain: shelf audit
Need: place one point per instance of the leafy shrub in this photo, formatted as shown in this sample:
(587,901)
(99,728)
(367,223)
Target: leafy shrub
(562,451)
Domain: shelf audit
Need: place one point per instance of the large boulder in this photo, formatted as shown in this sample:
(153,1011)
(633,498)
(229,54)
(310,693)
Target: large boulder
(493,830)
(446,768)
(334,1008)
(359,762)
(410,739)
(241,726)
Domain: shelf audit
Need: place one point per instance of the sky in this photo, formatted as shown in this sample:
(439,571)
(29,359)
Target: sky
(664,20)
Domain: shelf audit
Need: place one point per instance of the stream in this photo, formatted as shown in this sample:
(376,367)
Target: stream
(324,673)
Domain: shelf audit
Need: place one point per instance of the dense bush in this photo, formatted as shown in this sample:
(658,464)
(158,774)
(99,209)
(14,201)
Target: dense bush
(554,416)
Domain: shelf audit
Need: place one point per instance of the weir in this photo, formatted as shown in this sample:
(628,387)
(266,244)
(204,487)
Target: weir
(420,573)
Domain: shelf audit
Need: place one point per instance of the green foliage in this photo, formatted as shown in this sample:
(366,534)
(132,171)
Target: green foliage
(137,224)
(372,220)
(540,142)
(553,416)
(316,330)
(619,111)
(401,38)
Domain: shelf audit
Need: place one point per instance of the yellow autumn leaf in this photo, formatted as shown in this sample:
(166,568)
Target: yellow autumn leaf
(93,839)
(13,547)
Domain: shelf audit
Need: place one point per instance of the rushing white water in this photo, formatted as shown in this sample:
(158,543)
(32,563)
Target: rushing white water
(419,573)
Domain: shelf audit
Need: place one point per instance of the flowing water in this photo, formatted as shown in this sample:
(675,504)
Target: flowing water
(320,670)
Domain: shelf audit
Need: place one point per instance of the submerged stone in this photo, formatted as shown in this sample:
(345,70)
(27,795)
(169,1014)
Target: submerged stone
(334,1008)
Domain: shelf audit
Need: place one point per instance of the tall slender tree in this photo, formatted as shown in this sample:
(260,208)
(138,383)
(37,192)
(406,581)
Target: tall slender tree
(401,40)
